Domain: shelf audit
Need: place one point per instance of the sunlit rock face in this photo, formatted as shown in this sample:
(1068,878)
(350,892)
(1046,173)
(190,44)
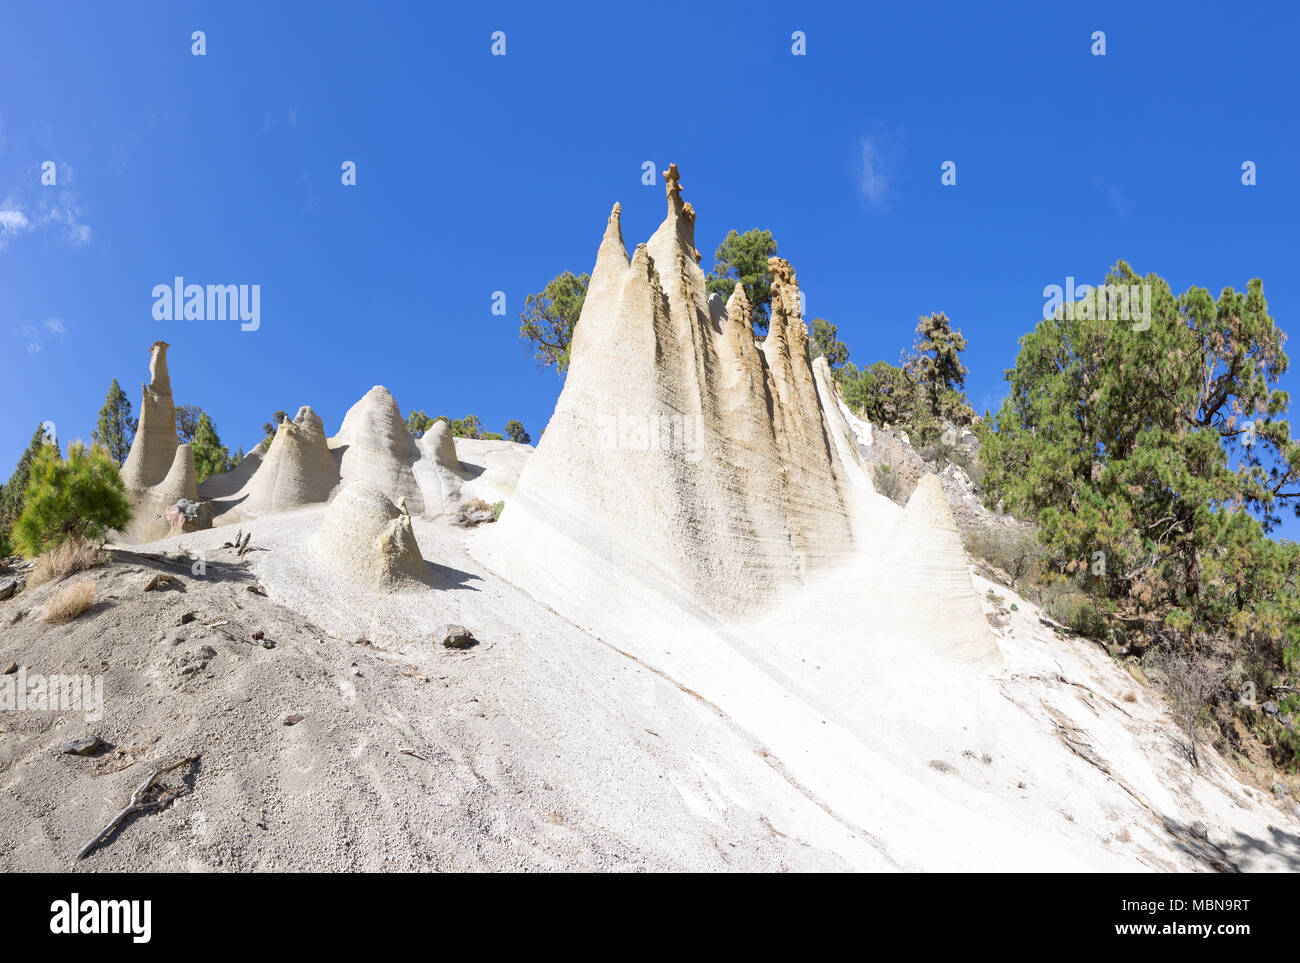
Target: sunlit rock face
(680,447)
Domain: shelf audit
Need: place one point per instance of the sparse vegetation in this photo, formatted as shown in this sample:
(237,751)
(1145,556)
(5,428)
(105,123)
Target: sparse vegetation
(69,556)
(1063,601)
(888,483)
(475,511)
(1190,683)
(417,423)
(69,601)
(269,428)
(1012,548)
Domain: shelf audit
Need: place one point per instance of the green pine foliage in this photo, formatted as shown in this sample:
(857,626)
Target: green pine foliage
(743,258)
(12,497)
(549,317)
(80,498)
(210,456)
(1155,456)
(516,433)
(116,428)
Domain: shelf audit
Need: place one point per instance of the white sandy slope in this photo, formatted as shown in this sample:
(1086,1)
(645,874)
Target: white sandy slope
(643,733)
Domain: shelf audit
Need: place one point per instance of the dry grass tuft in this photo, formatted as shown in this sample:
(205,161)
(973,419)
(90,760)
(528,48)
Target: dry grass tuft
(71,555)
(69,601)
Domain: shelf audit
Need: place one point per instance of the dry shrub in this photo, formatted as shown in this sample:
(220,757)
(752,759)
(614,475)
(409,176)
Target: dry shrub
(889,484)
(473,506)
(70,555)
(1064,602)
(1190,682)
(70,601)
(1012,548)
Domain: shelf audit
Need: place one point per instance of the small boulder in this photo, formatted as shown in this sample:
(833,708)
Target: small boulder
(83,747)
(10,587)
(1270,708)
(163,581)
(458,637)
(188,516)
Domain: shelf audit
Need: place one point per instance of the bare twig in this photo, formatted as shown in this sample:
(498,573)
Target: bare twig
(138,802)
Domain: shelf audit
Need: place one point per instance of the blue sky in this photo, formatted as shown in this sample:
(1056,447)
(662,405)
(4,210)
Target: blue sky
(478,173)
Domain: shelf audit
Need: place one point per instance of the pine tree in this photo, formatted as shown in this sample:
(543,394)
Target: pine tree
(743,258)
(210,456)
(826,342)
(467,427)
(11,500)
(515,432)
(417,423)
(1156,456)
(937,362)
(549,317)
(80,498)
(187,422)
(116,426)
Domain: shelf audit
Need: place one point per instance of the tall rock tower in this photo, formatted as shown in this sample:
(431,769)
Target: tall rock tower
(154,447)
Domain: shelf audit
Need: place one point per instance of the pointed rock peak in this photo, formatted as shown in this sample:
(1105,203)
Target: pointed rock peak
(436,443)
(673,181)
(787,306)
(158,378)
(680,216)
(612,242)
(739,310)
(181,480)
(643,267)
(642,260)
(929,504)
(308,421)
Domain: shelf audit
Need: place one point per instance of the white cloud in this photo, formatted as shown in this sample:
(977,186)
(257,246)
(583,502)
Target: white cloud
(58,208)
(34,334)
(871,173)
(12,222)
(65,212)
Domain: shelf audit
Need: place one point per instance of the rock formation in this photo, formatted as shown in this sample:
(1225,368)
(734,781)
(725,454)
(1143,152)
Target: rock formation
(374,446)
(438,470)
(298,469)
(923,577)
(365,536)
(709,456)
(158,471)
(219,486)
(154,446)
